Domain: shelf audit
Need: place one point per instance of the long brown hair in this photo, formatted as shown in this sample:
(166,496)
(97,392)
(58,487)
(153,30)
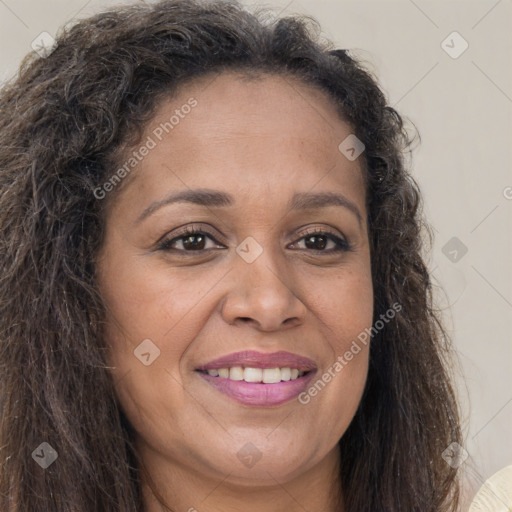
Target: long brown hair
(63,119)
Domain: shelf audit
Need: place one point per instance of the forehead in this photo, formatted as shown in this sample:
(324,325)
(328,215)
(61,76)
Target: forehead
(234,104)
(233,128)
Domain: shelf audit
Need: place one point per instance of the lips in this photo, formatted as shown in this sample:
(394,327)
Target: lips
(253,359)
(259,379)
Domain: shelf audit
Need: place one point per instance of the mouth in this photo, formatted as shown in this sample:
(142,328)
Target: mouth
(251,374)
(259,379)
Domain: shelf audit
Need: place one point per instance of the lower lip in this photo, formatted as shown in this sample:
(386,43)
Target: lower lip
(258,393)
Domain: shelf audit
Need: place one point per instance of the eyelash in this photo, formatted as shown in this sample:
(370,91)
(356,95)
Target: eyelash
(341,244)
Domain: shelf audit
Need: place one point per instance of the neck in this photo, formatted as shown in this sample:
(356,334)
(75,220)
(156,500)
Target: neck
(172,487)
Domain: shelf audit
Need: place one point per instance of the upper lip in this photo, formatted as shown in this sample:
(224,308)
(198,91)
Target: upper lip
(253,359)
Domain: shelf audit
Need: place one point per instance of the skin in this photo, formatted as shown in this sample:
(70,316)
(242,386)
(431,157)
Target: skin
(260,140)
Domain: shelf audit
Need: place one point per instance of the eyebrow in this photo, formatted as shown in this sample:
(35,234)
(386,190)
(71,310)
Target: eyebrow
(315,200)
(216,199)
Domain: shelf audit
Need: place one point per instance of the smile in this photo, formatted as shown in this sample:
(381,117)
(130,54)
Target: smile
(259,379)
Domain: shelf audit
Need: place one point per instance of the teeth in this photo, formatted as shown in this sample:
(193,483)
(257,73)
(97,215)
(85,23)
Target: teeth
(224,373)
(271,375)
(236,373)
(266,375)
(286,374)
(253,374)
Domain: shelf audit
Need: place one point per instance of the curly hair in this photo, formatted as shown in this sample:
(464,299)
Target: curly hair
(65,119)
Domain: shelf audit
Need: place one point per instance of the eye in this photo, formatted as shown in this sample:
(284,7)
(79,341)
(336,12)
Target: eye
(190,240)
(318,240)
(193,239)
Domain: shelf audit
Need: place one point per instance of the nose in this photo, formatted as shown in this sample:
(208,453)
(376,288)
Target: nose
(263,295)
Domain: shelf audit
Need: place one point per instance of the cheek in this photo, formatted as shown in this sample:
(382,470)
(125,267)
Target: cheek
(148,302)
(344,309)
(345,306)
(147,333)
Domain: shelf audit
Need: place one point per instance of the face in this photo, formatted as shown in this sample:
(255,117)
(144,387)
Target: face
(271,276)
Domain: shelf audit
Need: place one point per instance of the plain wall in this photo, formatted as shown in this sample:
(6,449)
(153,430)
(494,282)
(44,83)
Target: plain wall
(462,108)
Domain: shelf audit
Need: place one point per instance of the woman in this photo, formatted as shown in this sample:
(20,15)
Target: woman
(213,293)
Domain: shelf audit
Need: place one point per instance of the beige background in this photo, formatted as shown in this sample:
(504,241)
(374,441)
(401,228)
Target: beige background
(462,108)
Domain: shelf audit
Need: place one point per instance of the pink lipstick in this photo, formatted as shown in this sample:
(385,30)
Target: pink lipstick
(259,379)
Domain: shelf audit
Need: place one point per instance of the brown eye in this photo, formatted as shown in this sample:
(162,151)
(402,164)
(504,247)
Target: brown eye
(191,240)
(319,240)
(195,242)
